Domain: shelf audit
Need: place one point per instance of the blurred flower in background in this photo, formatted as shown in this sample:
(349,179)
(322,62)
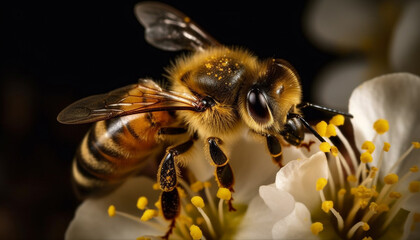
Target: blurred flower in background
(371,37)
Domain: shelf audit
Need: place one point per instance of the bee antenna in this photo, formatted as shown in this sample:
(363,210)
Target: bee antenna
(306,124)
(325,109)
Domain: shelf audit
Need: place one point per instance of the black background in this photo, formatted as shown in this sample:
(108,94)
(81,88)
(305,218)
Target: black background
(53,53)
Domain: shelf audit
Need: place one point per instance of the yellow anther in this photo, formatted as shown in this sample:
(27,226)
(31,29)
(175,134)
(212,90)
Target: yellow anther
(365,227)
(158,205)
(351,178)
(181,193)
(382,208)
(321,183)
(373,171)
(207,184)
(334,151)
(391,178)
(337,120)
(369,146)
(316,228)
(111,210)
(195,232)
(148,214)
(363,203)
(143,238)
(367,238)
(416,144)
(187,19)
(321,128)
(197,201)
(414,169)
(386,147)
(373,206)
(366,157)
(395,195)
(142,203)
(330,132)
(189,207)
(381,126)
(224,193)
(197,186)
(325,147)
(156,186)
(327,205)
(199,220)
(342,191)
(414,186)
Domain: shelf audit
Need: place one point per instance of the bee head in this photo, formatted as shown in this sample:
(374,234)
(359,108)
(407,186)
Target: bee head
(271,97)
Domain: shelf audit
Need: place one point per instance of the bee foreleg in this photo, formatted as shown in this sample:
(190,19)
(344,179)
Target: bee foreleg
(274,147)
(224,173)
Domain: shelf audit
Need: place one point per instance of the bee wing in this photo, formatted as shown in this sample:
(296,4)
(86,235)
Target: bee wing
(171,30)
(146,96)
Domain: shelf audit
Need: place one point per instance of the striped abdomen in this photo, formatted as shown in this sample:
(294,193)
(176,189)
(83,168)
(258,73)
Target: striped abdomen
(115,149)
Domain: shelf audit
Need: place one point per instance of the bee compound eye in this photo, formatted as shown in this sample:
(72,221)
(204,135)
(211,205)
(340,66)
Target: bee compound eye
(257,106)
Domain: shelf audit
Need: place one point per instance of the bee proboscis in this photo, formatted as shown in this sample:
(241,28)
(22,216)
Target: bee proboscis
(213,94)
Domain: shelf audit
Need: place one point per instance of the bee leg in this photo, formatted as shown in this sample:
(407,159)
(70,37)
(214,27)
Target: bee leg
(172,130)
(168,180)
(274,147)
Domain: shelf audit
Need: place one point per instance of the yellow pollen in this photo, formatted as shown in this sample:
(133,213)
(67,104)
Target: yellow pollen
(197,186)
(321,128)
(158,205)
(224,193)
(337,120)
(195,232)
(366,157)
(365,227)
(351,178)
(395,195)
(373,206)
(342,191)
(334,151)
(414,186)
(197,201)
(325,147)
(369,146)
(143,238)
(386,147)
(416,145)
(391,178)
(367,238)
(316,228)
(207,184)
(330,131)
(199,220)
(187,19)
(381,126)
(111,210)
(189,207)
(414,169)
(148,214)
(321,183)
(156,186)
(327,205)
(142,203)
(382,208)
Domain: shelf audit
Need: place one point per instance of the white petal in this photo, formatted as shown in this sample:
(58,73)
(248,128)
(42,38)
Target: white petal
(336,82)
(342,24)
(396,98)
(280,202)
(411,231)
(299,179)
(91,220)
(297,225)
(405,44)
(412,203)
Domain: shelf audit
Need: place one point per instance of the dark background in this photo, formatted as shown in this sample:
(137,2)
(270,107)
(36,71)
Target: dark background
(53,53)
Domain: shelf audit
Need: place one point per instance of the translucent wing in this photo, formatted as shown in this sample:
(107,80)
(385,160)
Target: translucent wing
(146,96)
(171,30)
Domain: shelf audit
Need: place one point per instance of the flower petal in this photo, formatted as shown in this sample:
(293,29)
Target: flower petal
(297,225)
(91,220)
(394,97)
(280,203)
(299,179)
(405,44)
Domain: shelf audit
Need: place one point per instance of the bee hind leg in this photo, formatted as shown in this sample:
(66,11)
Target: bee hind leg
(274,147)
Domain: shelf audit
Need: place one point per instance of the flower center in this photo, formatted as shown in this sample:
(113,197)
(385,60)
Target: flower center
(357,204)
(205,214)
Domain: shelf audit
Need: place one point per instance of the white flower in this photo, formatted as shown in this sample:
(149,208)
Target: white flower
(372,37)
(332,198)
(252,167)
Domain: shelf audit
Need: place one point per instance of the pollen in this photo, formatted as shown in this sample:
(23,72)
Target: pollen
(365,227)
(224,193)
(395,195)
(386,147)
(391,178)
(416,145)
(321,183)
(325,146)
(414,169)
(334,151)
(366,157)
(321,128)
(111,210)
(369,146)
(198,201)
(414,186)
(142,203)
(317,227)
(197,186)
(351,178)
(327,205)
(195,232)
(381,126)
(148,214)
(156,186)
(337,120)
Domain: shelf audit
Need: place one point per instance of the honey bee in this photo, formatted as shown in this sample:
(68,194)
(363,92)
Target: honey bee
(214,93)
